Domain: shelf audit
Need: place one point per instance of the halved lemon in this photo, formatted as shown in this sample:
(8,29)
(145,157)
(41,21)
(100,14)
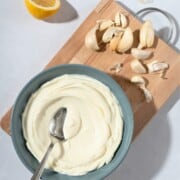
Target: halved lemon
(42,8)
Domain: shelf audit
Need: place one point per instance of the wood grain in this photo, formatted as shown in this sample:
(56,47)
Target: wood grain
(74,51)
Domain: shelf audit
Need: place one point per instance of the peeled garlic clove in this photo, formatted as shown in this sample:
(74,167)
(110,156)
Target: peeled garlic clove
(91,39)
(117,19)
(138,80)
(150,38)
(140,54)
(126,42)
(124,21)
(146,35)
(138,67)
(110,33)
(157,66)
(114,42)
(120,20)
(104,24)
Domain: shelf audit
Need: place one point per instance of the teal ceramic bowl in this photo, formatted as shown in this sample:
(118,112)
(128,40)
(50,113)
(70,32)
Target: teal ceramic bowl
(16,122)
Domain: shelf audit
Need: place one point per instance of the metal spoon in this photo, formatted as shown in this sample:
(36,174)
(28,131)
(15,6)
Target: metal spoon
(56,130)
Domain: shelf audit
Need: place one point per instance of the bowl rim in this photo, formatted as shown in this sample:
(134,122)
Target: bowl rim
(106,171)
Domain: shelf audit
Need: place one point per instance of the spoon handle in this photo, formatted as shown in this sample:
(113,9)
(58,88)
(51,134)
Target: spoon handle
(40,168)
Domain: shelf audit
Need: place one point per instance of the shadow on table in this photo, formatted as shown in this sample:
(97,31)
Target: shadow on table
(66,13)
(142,110)
(176,32)
(149,151)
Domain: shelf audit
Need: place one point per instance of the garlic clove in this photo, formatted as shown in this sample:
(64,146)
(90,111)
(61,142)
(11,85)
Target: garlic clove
(114,42)
(120,20)
(140,54)
(117,19)
(110,33)
(138,67)
(155,66)
(126,41)
(104,24)
(91,40)
(124,21)
(142,37)
(146,35)
(150,35)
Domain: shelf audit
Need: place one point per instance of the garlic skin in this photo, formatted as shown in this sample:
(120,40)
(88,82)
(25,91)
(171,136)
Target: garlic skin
(138,80)
(117,67)
(141,82)
(110,33)
(146,35)
(91,41)
(147,94)
(140,54)
(126,41)
(138,67)
(155,66)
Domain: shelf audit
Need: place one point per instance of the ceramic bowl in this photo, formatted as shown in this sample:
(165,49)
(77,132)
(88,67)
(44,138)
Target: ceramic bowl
(16,121)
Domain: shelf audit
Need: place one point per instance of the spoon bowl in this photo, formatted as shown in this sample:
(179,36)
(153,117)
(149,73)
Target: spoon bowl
(57,124)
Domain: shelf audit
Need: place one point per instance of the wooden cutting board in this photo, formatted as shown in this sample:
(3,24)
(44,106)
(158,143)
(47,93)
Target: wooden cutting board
(74,51)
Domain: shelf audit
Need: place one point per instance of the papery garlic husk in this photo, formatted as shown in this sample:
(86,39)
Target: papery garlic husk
(138,67)
(138,80)
(110,33)
(117,67)
(140,54)
(91,39)
(126,41)
(155,66)
(104,24)
(147,94)
(141,82)
(146,35)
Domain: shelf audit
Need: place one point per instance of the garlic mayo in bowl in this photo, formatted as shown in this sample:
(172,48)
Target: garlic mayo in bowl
(98,127)
(93,125)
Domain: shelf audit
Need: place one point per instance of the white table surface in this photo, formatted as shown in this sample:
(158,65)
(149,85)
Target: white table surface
(26,46)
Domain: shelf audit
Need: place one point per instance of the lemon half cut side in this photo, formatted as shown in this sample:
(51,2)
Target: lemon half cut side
(42,8)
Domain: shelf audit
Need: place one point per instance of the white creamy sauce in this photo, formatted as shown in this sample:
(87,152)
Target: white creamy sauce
(93,125)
